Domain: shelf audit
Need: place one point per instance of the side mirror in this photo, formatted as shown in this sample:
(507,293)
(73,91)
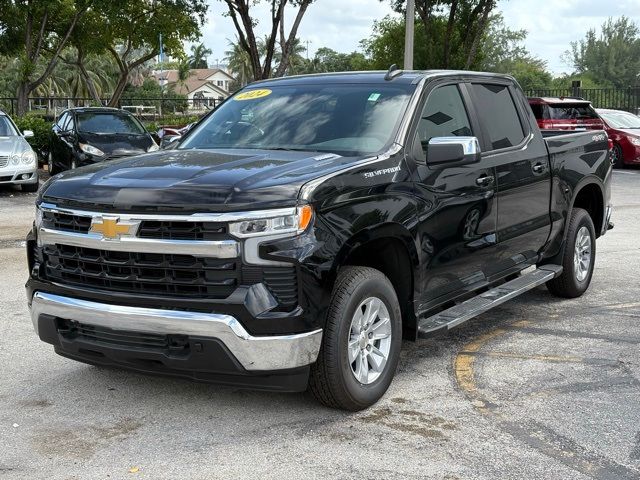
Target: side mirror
(169,141)
(27,134)
(450,151)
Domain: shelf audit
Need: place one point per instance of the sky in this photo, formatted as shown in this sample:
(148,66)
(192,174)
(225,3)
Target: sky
(341,24)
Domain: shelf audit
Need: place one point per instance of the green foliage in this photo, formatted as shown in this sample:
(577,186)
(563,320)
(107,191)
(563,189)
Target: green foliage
(613,57)
(177,121)
(198,58)
(41,130)
(328,60)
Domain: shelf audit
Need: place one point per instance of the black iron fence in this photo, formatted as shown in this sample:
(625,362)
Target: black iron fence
(160,110)
(627,99)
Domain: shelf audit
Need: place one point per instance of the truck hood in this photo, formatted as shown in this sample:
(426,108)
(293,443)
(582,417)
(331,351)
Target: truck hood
(193,180)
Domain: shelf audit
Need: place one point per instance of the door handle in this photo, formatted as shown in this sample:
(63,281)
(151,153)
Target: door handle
(484,180)
(538,168)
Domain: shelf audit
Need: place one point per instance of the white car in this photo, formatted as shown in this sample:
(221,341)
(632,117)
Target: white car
(18,161)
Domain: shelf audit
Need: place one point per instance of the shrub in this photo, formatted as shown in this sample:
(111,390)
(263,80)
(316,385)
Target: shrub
(41,132)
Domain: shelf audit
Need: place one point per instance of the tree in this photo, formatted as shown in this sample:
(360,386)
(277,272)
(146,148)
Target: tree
(453,30)
(238,62)
(245,24)
(199,54)
(328,60)
(37,31)
(132,27)
(612,57)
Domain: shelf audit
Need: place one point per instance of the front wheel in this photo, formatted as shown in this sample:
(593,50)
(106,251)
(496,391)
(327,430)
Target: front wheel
(361,344)
(578,259)
(617,158)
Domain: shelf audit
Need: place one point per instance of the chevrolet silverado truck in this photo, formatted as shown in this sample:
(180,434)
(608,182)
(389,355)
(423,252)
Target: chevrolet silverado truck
(300,231)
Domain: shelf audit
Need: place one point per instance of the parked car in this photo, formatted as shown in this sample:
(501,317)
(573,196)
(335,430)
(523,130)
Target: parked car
(169,135)
(18,161)
(84,136)
(565,113)
(623,129)
(307,225)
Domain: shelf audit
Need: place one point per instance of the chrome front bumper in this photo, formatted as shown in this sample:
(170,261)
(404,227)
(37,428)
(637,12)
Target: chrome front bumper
(253,353)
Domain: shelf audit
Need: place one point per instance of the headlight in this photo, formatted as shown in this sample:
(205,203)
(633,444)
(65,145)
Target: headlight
(91,150)
(15,159)
(38,217)
(635,141)
(295,222)
(28,157)
(154,147)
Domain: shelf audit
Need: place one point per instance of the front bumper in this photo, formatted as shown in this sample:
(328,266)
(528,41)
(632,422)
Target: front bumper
(253,353)
(14,176)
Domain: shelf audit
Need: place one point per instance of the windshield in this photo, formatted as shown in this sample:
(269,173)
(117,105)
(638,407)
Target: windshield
(108,123)
(621,119)
(343,119)
(6,127)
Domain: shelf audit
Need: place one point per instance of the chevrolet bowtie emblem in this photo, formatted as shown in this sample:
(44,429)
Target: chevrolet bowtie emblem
(111,228)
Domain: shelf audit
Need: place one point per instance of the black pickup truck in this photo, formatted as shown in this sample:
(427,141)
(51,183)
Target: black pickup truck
(300,231)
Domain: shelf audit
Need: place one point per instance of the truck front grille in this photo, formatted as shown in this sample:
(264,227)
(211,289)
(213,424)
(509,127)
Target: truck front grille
(144,273)
(66,222)
(170,230)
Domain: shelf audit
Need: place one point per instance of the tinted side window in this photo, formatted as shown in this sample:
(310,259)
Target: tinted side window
(444,115)
(572,111)
(498,115)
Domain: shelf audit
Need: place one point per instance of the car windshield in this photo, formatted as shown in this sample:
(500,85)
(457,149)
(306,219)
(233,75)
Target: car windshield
(346,119)
(108,123)
(621,119)
(6,127)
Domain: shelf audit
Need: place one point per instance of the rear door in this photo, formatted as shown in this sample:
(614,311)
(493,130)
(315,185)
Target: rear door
(456,213)
(523,176)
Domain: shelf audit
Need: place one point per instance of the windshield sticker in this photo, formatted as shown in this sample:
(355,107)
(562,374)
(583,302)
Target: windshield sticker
(252,94)
(374,97)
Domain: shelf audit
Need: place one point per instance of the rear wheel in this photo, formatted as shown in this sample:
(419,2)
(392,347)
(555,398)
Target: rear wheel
(578,259)
(361,344)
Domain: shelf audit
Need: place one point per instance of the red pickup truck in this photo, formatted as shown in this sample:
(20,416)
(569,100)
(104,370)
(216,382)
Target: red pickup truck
(565,113)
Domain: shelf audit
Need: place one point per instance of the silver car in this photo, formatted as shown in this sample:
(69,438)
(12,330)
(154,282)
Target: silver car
(18,161)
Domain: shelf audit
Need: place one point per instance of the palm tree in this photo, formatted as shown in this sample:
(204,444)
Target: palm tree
(184,71)
(199,54)
(297,60)
(238,62)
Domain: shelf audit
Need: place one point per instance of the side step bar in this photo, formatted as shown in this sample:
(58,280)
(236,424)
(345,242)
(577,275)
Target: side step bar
(447,319)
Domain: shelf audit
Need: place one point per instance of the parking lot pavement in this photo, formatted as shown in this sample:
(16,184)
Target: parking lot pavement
(537,388)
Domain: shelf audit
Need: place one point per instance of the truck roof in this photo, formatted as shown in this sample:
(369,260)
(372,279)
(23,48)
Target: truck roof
(404,77)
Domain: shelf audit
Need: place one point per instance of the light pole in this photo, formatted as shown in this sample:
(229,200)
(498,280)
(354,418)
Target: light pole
(409,34)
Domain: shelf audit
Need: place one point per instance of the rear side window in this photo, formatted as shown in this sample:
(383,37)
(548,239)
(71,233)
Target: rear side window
(498,115)
(576,111)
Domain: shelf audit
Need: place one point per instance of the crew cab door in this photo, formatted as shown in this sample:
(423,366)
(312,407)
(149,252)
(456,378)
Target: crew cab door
(523,174)
(456,212)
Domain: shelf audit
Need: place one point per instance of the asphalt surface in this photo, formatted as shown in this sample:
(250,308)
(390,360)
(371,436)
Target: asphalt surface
(539,388)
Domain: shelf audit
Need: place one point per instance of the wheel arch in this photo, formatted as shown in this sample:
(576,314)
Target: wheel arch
(589,195)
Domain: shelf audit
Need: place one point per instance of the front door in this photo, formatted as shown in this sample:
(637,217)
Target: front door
(457,215)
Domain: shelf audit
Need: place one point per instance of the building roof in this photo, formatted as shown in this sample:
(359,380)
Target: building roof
(198,77)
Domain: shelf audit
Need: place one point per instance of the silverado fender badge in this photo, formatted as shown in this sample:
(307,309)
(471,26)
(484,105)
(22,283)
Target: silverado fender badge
(383,171)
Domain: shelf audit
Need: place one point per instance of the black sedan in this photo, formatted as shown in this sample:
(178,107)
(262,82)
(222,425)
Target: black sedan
(83,136)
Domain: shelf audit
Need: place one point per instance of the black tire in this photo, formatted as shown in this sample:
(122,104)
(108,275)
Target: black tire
(51,165)
(617,158)
(568,285)
(332,380)
(29,187)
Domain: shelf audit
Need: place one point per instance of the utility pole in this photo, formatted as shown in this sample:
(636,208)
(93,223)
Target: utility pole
(410,24)
(307,42)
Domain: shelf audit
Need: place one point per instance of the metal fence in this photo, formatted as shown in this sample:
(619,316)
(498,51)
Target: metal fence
(161,110)
(627,99)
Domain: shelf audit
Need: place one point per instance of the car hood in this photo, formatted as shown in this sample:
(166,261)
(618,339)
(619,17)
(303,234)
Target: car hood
(193,180)
(117,143)
(12,145)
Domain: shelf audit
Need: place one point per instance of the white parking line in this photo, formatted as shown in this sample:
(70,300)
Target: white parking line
(626,172)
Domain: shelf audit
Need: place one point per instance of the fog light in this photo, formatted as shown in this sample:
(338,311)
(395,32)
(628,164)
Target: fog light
(25,176)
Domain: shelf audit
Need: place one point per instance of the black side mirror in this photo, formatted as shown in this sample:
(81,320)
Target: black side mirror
(169,141)
(453,151)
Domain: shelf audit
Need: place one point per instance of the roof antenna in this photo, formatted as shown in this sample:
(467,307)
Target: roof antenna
(393,72)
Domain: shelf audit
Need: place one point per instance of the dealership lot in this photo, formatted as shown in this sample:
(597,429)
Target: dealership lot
(537,388)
